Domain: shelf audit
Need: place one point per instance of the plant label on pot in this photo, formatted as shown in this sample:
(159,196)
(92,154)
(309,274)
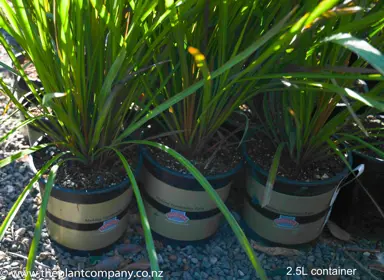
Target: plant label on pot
(286,222)
(177,216)
(109,225)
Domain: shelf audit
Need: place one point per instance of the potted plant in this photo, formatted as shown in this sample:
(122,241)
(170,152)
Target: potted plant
(177,206)
(91,69)
(367,148)
(296,158)
(86,65)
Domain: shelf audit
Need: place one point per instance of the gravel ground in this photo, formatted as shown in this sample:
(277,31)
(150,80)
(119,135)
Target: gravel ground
(220,258)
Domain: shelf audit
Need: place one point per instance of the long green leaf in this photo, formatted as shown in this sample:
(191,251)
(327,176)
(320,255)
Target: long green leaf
(272,175)
(23,153)
(144,219)
(40,221)
(361,48)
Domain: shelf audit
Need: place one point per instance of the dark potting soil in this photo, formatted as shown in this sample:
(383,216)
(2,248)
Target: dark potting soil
(370,122)
(208,164)
(75,175)
(261,150)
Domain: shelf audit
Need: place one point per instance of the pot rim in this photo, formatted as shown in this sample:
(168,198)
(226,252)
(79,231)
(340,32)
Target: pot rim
(374,159)
(333,179)
(93,191)
(26,103)
(224,175)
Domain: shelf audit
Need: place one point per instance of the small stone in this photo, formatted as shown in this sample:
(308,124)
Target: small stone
(44,255)
(14,264)
(206,263)
(80,259)
(241,273)
(325,176)
(47,247)
(225,265)
(218,251)
(311,258)
(176,274)
(26,241)
(189,249)
(216,271)
(72,263)
(80,266)
(213,260)
(20,231)
(187,276)
(160,259)
(10,189)
(366,254)
(2,255)
(195,261)
(172,258)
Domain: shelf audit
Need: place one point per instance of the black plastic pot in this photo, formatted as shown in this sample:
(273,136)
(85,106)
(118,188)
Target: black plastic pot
(31,132)
(20,85)
(297,211)
(352,199)
(374,170)
(178,208)
(87,221)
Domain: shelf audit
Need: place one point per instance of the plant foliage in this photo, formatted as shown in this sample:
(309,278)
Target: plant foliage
(305,115)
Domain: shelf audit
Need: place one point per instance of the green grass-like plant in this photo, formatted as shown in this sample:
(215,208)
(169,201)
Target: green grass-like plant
(302,120)
(219,32)
(95,59)
(90,56)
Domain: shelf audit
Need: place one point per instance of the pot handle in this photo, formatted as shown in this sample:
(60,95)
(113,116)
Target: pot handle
(359,169)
